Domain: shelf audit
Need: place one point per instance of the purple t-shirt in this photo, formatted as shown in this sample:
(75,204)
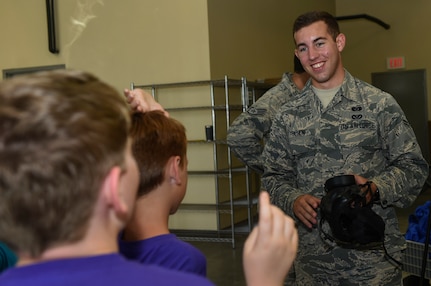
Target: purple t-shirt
(106,270)
(167,251)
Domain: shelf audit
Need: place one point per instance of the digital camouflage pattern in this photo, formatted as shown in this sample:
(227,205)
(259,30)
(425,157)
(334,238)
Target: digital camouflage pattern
(250,130)
(362,131)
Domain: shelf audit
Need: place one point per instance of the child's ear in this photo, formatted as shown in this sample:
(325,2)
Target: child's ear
(174,169)
(112,193)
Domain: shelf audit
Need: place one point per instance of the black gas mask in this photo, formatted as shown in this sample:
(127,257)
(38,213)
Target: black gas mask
(351,219)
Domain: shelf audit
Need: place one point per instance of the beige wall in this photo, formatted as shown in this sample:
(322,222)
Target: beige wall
(121,42)
(368,45)
(24,34)
(155,41)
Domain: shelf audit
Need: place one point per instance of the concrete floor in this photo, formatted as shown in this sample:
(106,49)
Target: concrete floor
(225,263)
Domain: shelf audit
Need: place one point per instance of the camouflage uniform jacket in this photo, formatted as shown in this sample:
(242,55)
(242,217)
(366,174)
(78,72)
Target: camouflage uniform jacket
(249,130)
(362,131)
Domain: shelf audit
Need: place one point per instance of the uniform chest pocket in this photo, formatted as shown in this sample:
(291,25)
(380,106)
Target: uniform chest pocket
(302,142)
(359,134)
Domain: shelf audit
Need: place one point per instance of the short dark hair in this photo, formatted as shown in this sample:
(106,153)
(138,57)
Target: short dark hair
(309,18)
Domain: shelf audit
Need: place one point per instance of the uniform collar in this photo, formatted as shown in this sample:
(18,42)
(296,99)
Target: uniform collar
(347,90)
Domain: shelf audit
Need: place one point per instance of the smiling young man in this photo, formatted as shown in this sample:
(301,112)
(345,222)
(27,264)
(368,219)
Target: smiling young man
(340,125)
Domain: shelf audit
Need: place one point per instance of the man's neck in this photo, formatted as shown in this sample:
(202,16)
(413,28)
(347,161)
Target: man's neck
(336,80)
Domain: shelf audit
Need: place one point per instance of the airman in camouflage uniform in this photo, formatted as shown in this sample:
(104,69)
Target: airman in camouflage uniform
(250,129)
(362,131)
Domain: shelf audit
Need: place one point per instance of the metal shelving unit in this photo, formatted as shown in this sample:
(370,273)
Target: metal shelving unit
(227,99)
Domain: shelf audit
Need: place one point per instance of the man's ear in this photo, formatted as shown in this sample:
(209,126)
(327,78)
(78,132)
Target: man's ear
(112,194)
(174,168)
(341,42)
